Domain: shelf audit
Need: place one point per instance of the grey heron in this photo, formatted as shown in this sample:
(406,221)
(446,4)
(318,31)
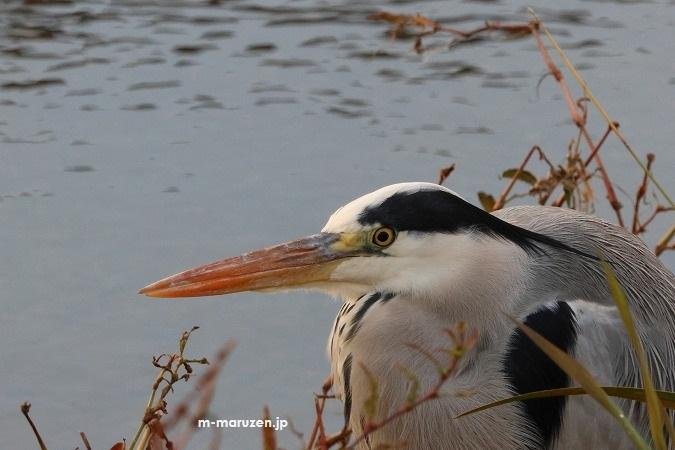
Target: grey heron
(411,259)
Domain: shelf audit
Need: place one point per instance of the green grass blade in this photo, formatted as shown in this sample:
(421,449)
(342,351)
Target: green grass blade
(670,427)
(628,393)
(654,407)
(578,372)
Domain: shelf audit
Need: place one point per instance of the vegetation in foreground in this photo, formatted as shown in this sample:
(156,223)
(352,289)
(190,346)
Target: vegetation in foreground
(569,183)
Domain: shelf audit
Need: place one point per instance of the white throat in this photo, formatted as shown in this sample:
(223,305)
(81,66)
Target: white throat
(466,277)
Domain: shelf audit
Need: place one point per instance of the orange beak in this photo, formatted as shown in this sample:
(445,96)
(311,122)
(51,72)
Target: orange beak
(293,264)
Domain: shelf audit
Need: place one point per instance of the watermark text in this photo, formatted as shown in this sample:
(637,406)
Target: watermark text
(277,424)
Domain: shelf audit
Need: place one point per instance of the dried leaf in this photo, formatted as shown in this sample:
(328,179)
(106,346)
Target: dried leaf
(487,200)
(413,385)
(520,174)
(445,173)
(370,405)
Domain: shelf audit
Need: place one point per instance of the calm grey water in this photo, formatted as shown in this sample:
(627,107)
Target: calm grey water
(169,134)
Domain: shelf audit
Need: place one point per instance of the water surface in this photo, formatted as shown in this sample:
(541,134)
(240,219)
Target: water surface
(138,138)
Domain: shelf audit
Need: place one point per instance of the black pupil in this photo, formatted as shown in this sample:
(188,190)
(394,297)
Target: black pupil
(383,236)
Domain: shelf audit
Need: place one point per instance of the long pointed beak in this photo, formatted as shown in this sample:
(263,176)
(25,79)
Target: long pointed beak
(293,264)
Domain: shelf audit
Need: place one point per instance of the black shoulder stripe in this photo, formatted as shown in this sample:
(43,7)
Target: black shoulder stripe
(346,376)
(438,211)
(528,369)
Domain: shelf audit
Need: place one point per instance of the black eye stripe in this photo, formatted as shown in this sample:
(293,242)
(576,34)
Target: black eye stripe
(439,211)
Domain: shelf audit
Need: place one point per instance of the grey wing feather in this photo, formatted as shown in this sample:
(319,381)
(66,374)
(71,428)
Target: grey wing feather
(602,345)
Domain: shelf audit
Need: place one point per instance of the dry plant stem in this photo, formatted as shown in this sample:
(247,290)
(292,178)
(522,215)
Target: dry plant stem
(579,120)
(664,240)
(25,409)
(430,27)
(341,438)
(596,149)
(609,187)
(658,210)
(315,427)
(499,203)
(203,403)
(175,369)
(561,199)
(639,227)
(639,196)
(496,26)
(268,436)
(293,429)
(370,427)
(585,178)
(203,391)
(85,440)
(577,111)
(142,429)
(664,243)
(588,93)
(319,403)
(144,439)
(318,406)
(216,442)
(557,74)
(444,173)
(463,343)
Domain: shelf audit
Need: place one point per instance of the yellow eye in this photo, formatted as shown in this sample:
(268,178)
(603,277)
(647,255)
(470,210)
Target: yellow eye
(383,237)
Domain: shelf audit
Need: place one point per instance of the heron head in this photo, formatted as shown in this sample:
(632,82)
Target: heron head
(410,237)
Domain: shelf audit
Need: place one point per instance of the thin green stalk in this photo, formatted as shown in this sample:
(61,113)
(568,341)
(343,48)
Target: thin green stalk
(151,400)
(628,393)
(654,406)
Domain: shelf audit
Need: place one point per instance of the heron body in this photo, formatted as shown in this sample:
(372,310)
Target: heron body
(412,259)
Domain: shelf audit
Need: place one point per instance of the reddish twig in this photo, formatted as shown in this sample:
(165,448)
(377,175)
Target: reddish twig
(664,243)
(637,228)
(463,342)
(25,409)
(501,200)
(269,438)
(319,403)
(318,406)
(444,173)
(216,441)
(399,22)
(579,120)
(202,394)
(85,440)
(609,187)
(557,74)
(296,432)
(561,199)
(657,210)
(602,140)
